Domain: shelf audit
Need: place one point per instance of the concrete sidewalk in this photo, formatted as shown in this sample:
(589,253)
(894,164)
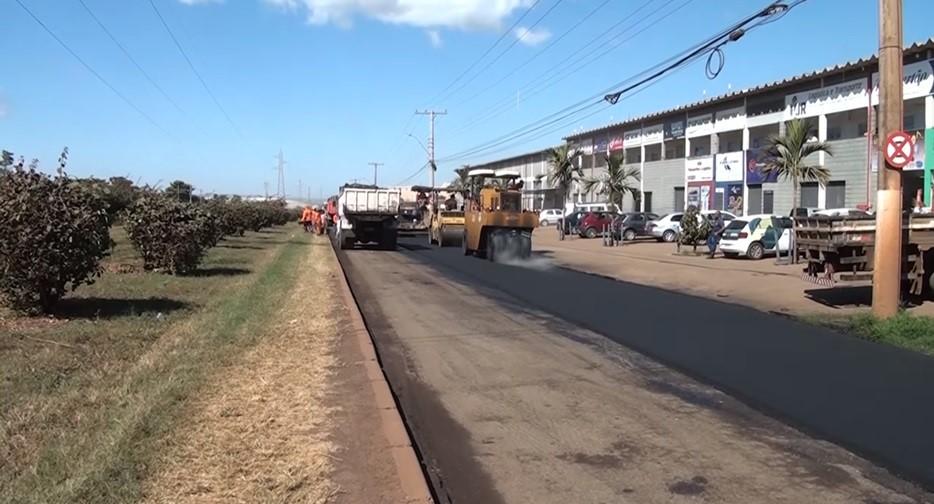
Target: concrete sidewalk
(758,284)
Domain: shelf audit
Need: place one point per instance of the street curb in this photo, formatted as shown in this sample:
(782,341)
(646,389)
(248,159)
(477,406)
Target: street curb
(408,468)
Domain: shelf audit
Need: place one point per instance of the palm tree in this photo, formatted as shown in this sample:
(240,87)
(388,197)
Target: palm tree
(563,170)
(787,156)
(616,182)
(462,182)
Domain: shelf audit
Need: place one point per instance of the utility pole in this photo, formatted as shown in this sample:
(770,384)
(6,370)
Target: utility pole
(266,189)
(375,166)
(299,188)
(887,263)
(431,141)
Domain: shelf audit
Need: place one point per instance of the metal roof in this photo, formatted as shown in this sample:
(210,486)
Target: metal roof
(842,67)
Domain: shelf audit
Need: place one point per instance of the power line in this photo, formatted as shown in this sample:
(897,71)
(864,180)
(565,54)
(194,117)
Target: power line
(193,69)
(504,51)
(131,58)
(730,34)
(94,72)
(485,53)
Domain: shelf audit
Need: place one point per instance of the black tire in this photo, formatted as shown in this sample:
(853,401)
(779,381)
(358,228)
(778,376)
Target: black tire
(669,236)
(464,244)
(490,247)
(629,235)
(590,232)
(756,251)
(346,243)
(389,240)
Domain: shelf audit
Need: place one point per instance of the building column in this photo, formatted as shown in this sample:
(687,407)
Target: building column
(821,137)
(745,185)
(929,147)
(642,177)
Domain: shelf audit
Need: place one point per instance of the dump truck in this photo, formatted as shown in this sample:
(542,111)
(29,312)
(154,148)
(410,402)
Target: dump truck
(841,249)
(495,226)
(367,215)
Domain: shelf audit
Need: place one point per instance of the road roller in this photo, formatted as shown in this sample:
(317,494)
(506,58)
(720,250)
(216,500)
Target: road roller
(447,228)
(495,226)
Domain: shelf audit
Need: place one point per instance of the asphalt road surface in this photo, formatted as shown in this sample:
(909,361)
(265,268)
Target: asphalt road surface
(520,384)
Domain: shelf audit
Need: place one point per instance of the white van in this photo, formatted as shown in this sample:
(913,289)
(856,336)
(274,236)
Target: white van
(592,207)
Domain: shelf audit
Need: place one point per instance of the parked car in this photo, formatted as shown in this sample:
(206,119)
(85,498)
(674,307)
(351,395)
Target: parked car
(550,216)
(592,207)
(668,226)
(800,212)
(631,225)
(755,236)
(842,212)
(592,223)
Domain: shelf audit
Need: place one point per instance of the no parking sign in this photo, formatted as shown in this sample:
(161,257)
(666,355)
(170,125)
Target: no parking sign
(899,150)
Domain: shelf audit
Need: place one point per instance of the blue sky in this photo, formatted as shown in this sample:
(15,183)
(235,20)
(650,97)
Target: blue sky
(334,83)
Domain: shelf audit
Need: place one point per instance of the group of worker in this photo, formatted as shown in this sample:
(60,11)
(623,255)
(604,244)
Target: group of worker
(314,219)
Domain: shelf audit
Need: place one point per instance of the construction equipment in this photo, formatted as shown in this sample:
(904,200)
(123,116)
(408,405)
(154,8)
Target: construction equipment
(495,226)
(445,227)
(840,249)
(368,214)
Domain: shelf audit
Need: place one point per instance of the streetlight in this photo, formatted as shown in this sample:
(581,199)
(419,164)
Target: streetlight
(420,144)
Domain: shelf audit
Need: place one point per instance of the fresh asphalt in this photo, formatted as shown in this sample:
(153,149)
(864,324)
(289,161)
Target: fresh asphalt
(873,399)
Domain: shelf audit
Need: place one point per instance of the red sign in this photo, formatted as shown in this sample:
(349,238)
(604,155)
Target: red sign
(899,150)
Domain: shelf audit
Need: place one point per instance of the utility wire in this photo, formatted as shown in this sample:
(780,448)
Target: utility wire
(131,58)
(732,33)
(93,72)
(193,69)
(506,50)
(485,53)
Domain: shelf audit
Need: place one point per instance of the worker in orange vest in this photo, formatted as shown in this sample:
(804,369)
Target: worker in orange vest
(308,218)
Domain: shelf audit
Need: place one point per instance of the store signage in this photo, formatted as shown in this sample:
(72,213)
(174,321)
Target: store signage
(601,145)
(827,100)
(699,169)
(729,167)
(918,81)
(700,125)
(616,143)
(755,162)
(586,147)
(674,129)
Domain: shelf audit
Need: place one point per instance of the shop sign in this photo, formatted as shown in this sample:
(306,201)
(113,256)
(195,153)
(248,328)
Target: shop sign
(674,129)
(918,81)
(826,100)
(699,169)
(729,167)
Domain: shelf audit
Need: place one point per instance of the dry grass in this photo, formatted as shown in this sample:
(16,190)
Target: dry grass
(259,431)
(84,396)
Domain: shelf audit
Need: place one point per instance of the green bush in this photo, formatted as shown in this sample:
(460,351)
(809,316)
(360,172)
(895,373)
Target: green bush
(53,234)
(694,228)
(171,236)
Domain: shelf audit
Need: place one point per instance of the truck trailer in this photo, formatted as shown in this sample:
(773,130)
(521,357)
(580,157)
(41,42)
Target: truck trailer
(367,214)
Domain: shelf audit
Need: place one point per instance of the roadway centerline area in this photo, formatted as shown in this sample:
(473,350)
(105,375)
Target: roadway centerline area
(510,400)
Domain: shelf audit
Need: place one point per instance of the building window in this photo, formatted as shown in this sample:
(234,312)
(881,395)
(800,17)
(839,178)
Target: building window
(653,152)
(836,194)
(809,191)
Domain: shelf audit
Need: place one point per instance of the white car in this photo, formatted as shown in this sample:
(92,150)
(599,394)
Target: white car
(550,216)
(755,236)
(667,227)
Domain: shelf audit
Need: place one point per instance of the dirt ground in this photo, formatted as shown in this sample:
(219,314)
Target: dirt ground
(292,420)
(761,284)
(509,404)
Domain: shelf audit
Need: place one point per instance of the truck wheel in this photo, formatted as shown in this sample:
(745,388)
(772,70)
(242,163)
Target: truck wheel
(756,251)
(389,241)
(464,244)
(490,247)
(346,243)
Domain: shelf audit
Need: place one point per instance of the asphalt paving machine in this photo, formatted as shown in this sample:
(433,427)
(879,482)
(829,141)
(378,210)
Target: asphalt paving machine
(495,226)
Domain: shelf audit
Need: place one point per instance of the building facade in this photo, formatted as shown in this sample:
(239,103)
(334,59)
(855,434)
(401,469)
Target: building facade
(709,153)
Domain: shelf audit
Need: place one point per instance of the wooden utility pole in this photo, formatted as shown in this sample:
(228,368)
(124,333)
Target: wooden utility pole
(886,280)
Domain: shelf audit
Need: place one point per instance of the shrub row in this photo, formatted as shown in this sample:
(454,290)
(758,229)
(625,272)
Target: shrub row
(55,230)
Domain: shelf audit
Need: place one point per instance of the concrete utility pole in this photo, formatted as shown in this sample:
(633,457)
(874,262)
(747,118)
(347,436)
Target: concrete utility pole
(299,188)
(375,166)
(266,189)
(431,140)
(886,279)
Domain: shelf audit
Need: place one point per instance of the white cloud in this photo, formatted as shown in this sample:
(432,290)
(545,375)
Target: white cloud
(463,14)
(200,2)
(435,37)
(532,37)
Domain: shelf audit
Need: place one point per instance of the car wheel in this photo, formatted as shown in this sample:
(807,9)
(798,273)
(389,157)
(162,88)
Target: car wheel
(756,251)
(591,232)
(544,223)
(669,236)
(629,235)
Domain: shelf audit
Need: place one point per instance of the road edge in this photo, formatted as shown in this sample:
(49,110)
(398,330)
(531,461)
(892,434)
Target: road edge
(408,466)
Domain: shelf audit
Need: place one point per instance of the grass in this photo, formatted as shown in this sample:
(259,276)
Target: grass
(905,330)
(85,396)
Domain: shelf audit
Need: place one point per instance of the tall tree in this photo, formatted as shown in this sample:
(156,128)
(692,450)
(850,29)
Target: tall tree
(180,190)
(787,156)
(563,171)
(617,182)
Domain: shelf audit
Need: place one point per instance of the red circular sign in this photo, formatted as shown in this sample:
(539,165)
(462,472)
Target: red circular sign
(899,150)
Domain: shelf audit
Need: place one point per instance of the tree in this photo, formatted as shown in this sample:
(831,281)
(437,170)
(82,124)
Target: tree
(617,182)
(787,156)
(694,228)
(180,190)
(462,182)
(563,170)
